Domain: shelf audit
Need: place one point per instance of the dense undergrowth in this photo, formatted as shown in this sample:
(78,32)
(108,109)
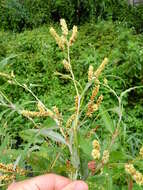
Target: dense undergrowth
(18,15)
(34,59)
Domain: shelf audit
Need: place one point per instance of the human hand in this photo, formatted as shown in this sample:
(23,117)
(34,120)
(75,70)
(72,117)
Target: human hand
(49,182)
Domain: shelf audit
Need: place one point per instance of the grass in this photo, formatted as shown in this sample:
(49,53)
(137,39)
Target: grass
(34,58)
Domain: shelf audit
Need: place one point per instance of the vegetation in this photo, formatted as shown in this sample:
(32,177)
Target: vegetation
(18,15)
(61,111)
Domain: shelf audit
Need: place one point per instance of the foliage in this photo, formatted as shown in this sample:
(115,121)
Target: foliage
(17,15)
(135,18)
(34,57)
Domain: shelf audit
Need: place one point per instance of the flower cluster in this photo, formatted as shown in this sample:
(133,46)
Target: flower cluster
(7,177)
(70,120)
(92,107)
(105,157)
(96,150)
(9,172)
(64,27)
(41,113)
(74,35)
(94,75)
(90,73)
(66,65)
(62,40)
(136,175)
(58,39)
(44,112)
(101,67)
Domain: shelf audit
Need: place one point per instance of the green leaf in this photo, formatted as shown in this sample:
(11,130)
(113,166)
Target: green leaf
(52,135)
(86,146)
(119,155)
(75,158)
(5,61)
(30,136)
(83,165)
(109,182)
(106,119)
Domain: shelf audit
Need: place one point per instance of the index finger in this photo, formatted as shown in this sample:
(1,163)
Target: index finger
(44,182)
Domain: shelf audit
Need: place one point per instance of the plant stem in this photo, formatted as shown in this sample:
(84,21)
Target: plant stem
(75,127)
(71,71)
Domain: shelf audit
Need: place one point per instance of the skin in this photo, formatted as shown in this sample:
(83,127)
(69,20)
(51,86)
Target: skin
(49,182)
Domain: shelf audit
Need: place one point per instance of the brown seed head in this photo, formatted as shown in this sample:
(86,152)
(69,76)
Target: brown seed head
(70,120)
(90,109)
(96,145)
(76,102)
(66,65)
(90,73)
(136,175)
(95,154)
(47,113)
(7,177)
(100,68)
(94,92)
(99,100)
(64,27)
(105,157)
(74,35)
(57,38)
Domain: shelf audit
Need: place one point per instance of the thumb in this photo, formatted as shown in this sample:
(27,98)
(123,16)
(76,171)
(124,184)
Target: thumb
(76,185)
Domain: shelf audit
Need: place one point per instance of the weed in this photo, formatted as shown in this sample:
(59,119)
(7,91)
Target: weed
(85,121)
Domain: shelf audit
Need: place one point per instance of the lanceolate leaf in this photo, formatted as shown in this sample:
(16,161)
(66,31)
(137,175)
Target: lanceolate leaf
(106,119)
(5,61)
(55,136)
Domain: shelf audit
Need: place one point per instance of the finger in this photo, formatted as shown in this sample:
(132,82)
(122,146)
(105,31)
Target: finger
(76,185)
(45,182)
